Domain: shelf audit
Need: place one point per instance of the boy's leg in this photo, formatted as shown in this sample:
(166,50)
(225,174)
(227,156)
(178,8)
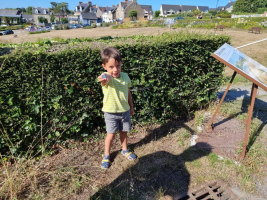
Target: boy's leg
(108,142)
(123,138)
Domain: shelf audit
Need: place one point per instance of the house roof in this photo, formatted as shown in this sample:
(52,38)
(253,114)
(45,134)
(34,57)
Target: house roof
(203,8)
(18,16)
(167,7)
(40,10)
(212,8)
(231,3)
(89,16)
(112,9)
(186,8)
(28,17)
(219,8)
(125,4)
(148,8)
(5,12)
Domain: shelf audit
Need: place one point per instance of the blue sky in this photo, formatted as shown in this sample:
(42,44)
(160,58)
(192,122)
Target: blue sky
(72,3)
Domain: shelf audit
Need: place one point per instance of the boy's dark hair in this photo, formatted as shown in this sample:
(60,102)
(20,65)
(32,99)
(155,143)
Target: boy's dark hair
(110,52)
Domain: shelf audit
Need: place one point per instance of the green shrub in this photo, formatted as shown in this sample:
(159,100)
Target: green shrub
(37,32)
(173,75)
(115,26)
(66,27)
(261,10)
(93,25)
(189,14)
(56,27)
(105,24)
(87,27)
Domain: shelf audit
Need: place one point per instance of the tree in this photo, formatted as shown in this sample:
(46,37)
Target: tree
(249,6)
(29,10)
(196,12)
(61,8)
(157,13)
(6,20)
(64,20)
(42,19)
(132,14)
(213,12)
(53,4)
(52,17)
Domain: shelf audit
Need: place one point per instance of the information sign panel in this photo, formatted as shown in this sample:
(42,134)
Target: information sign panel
(242,64)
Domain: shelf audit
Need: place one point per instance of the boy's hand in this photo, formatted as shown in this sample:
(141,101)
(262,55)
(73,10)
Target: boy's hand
(102,79)
(131,111)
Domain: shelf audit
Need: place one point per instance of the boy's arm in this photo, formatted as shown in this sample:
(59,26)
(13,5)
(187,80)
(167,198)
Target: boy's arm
(130,101)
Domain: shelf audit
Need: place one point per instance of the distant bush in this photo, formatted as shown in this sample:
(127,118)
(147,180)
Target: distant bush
(190,14)
(66,26)
(105,38)
(37,32)
(115,26)
(261,10)
(93,25)
(105,24)
(88,27)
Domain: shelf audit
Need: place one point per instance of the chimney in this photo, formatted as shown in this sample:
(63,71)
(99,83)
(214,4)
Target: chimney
(80,2)
(125,0)
(107,7)
(89,3)
(113,5)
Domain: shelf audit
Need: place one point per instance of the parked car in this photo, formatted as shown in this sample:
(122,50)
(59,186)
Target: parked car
(3,24)
(86,25)
(47,28)
(1,33)
(28,28)
(40,29)
(7,32)
(32,29)
(178,18)
(79,26)
(73,26)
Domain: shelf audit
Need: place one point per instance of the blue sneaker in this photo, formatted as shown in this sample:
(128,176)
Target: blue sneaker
(129,155)
(105,162)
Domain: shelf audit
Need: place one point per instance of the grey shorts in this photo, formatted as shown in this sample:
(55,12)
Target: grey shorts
(117,121)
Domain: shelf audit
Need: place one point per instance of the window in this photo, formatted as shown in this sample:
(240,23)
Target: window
(36,11)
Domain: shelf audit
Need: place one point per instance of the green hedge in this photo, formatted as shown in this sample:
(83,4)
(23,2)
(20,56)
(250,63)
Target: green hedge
(172,75)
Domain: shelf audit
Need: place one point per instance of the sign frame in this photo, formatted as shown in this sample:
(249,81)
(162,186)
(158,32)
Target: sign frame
(253,95)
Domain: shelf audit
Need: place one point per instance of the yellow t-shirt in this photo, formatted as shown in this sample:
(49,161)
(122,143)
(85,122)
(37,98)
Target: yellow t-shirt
(116,94)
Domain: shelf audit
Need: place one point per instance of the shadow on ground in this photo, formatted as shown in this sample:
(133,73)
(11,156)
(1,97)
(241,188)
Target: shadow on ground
(259,111)
(157,174)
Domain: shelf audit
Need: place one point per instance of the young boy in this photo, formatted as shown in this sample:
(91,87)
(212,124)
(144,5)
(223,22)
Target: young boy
(117,103)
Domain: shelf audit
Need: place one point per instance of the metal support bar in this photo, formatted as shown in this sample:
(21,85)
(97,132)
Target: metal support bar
(254,91)
(232,79)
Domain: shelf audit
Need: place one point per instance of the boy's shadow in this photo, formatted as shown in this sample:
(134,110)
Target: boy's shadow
(259,111)
(155,174)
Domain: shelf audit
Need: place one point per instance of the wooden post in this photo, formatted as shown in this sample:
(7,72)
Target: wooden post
(246,120)
(254,91)
(232,79)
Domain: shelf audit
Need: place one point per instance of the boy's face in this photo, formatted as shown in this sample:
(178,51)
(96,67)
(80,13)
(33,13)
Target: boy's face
(113,67)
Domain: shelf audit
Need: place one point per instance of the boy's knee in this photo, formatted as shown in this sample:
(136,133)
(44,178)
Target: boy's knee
(110,136)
